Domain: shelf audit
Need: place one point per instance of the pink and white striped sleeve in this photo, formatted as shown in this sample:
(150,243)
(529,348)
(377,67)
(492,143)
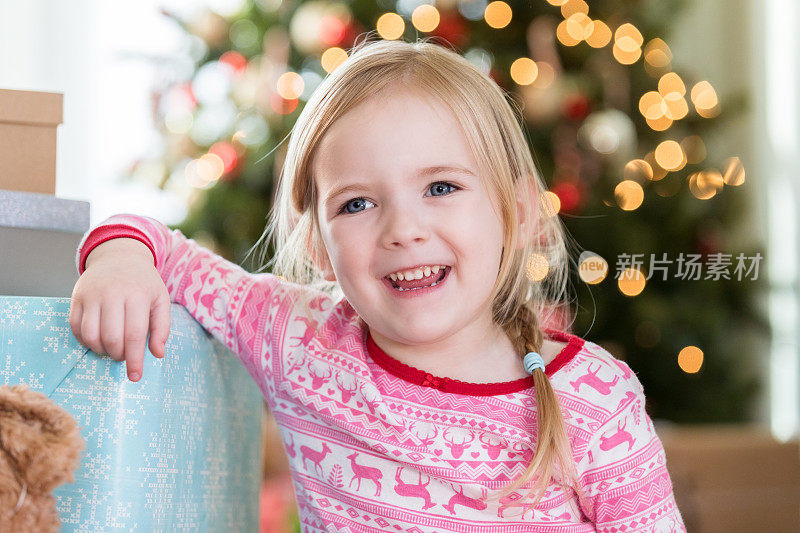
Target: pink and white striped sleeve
(624,470)
(232,304)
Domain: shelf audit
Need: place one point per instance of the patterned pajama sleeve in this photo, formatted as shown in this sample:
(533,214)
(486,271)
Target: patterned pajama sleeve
(624,471)
(229,302)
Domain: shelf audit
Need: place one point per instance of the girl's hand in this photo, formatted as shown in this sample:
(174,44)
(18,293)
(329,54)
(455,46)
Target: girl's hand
(117,300)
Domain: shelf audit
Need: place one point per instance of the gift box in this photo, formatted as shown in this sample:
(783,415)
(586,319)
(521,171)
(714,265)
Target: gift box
(28,126)
(43,232)
(179,450)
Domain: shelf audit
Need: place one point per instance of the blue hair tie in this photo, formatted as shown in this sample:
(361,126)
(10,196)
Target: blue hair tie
(532,361)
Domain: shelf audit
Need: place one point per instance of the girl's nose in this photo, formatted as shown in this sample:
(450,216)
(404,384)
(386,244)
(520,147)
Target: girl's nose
(403,227)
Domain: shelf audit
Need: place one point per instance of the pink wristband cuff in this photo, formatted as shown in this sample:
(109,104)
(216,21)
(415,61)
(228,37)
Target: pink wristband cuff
(112,231)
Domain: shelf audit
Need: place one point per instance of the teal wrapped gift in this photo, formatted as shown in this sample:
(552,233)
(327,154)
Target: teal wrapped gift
(179,450)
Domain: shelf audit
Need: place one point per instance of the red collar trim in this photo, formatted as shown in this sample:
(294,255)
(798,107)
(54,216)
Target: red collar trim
(425,379)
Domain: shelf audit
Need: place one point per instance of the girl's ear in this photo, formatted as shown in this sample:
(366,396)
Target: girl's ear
(528,204)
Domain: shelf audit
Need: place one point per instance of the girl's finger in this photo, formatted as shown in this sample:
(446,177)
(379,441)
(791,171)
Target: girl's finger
(135,336)
(159,324)
(75,317)
(90,328)
(112,328)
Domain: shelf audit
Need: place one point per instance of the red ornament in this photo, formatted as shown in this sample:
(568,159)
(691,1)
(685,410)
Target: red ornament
(495,75)
(569,194)
(182,94)
(453,28)
(331,31)
(235,60)
(281,105)
(351,32)
(576,107)
(708,240)
(228,154)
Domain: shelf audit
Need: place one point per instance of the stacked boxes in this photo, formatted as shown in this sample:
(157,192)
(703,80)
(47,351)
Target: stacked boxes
(38,232)
(179,450)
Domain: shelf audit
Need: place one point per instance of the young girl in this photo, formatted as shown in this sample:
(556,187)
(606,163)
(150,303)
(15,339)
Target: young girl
(406,347)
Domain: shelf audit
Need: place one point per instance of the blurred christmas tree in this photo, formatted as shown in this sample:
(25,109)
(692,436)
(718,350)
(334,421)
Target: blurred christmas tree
(617,134)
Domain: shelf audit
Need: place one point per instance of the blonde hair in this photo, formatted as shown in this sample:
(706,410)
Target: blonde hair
(498,143)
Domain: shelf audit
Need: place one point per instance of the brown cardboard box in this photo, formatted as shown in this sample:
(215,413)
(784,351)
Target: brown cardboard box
(28,126)
(733,478)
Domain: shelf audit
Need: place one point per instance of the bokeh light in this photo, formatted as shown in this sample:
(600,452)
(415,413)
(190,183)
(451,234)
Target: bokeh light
(671,82)
(546,76)
(332,58)
(497,14)
(705,184)
(571,7)
(705,100)
(652,105)
(690,359)
(551,203)
(178,121)
(599,34)
(669,155)
(578,26)
(563,35)
(660,124)
(657,57)
(631,281)
(425,18)
(694,148)
(537,267)
(733,171)
(227,154)
(251,130)
(472,9)
(290,85)
(629,195)
(638,170)
(390,26)
(524,71)
(627,44)
(281,105)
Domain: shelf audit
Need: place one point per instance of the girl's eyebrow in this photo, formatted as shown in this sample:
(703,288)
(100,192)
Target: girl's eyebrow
(422,173)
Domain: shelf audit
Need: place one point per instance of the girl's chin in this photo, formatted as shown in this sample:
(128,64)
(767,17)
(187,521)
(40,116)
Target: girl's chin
(418,333)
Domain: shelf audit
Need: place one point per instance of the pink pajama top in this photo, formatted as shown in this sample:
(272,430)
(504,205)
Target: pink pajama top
(375,445)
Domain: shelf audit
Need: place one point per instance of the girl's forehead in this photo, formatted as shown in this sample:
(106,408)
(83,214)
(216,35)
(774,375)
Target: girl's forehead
(399,132)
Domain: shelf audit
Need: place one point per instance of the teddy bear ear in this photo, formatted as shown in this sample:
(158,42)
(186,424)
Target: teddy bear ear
(40,439)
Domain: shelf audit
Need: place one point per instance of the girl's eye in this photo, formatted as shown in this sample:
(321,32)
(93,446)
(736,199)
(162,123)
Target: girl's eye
(441,188)
(356,203)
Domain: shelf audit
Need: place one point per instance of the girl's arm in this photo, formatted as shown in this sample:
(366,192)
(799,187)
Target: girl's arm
(236,307)
(624,470)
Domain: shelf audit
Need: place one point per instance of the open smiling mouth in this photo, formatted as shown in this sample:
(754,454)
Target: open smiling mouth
(416,284)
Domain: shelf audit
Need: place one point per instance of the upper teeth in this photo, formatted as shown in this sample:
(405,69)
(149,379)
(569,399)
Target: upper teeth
(417,273)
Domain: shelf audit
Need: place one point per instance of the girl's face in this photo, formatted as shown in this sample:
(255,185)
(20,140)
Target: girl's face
(414,197)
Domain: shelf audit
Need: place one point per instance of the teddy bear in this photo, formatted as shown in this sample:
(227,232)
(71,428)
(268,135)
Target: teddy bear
(40,448)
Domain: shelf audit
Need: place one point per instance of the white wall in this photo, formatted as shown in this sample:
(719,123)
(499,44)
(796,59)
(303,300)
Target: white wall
(752,45)
(777,140)
(87,50)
